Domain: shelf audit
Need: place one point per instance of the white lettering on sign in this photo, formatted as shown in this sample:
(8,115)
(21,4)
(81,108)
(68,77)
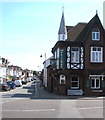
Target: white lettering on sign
(74,92)
(96,90)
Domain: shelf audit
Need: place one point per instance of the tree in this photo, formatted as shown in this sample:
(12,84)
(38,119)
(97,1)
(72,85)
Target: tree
(35,73)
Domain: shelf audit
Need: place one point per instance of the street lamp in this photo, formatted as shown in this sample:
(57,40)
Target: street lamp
(45,71)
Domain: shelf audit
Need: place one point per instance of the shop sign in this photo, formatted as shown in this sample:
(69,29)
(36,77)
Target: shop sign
(62,60)
(74,92)
(96,90)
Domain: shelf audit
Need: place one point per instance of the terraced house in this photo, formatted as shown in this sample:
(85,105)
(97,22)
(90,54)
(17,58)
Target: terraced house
(78,64)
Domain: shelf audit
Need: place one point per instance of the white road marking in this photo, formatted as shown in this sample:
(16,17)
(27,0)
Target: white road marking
(40,110)
(4,102)
(90,100)
(90,108)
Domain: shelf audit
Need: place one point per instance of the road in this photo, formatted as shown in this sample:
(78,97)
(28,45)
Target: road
(32,101)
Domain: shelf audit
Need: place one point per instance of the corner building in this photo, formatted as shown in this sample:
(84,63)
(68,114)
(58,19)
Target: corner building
(78,64)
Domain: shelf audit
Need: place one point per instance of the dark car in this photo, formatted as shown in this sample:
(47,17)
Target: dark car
(24,82)
(34,78)
(5,87)
(11,84)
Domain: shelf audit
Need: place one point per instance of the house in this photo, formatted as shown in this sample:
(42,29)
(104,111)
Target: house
(45,71)
(3,69)
(13,72)
(78,64)
(26,73)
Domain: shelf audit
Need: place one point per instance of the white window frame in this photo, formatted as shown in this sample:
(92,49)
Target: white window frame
(74,81)
(62,77)
(97,55)
(95,83)
(62,37)
(76,55)
(94,35)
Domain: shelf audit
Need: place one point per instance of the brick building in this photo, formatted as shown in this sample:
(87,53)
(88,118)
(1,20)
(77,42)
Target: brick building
(78,64)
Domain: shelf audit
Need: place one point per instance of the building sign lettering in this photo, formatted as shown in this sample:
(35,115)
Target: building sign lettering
(74,92)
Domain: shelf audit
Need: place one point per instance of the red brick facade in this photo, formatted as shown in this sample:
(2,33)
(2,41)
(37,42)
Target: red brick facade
(85,75)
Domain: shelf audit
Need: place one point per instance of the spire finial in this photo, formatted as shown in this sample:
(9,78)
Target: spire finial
(96,11)
(62,33)
(63,8)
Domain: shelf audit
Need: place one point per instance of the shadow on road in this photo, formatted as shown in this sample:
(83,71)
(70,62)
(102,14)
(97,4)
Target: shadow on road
(22,95)
(24,92)
(28,94)
(35,91)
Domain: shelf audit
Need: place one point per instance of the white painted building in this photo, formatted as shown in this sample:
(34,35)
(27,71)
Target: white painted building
(2,71)
(46,64)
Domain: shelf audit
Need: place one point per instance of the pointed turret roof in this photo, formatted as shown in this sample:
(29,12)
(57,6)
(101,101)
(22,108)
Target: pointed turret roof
(62,28)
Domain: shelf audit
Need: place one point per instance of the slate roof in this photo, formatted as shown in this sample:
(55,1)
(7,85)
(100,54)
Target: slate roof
(62,28)
(75,31)
(81,30)
(84,33)
(77,35)
(68,28)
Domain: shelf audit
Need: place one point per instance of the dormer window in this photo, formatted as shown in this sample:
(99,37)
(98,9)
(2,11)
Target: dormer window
(95,34)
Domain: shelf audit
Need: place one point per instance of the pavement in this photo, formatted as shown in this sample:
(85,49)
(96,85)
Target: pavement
(40,93)
(33,101)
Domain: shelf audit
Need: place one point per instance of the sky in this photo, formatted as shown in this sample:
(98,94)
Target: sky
(30,29)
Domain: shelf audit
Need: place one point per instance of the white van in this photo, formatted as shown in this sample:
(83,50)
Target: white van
(18,83)
(29,79)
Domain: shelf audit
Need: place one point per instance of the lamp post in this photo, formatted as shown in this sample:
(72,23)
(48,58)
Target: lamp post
(45,72)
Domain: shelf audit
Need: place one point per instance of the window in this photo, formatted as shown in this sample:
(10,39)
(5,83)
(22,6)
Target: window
(95,34)
(55,54)
(96,54)
(75,82)
(95,83)
(62,79)
(75,55)
(61,37)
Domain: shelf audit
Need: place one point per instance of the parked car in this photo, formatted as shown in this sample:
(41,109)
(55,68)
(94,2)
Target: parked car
(34,77)
(11,84)
(28,79)
(18,83)
(5,87)
(24,81)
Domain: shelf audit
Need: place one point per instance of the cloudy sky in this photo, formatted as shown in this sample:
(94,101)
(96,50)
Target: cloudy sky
(29,29)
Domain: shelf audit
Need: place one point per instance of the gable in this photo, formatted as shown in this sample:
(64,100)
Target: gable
(95,21)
